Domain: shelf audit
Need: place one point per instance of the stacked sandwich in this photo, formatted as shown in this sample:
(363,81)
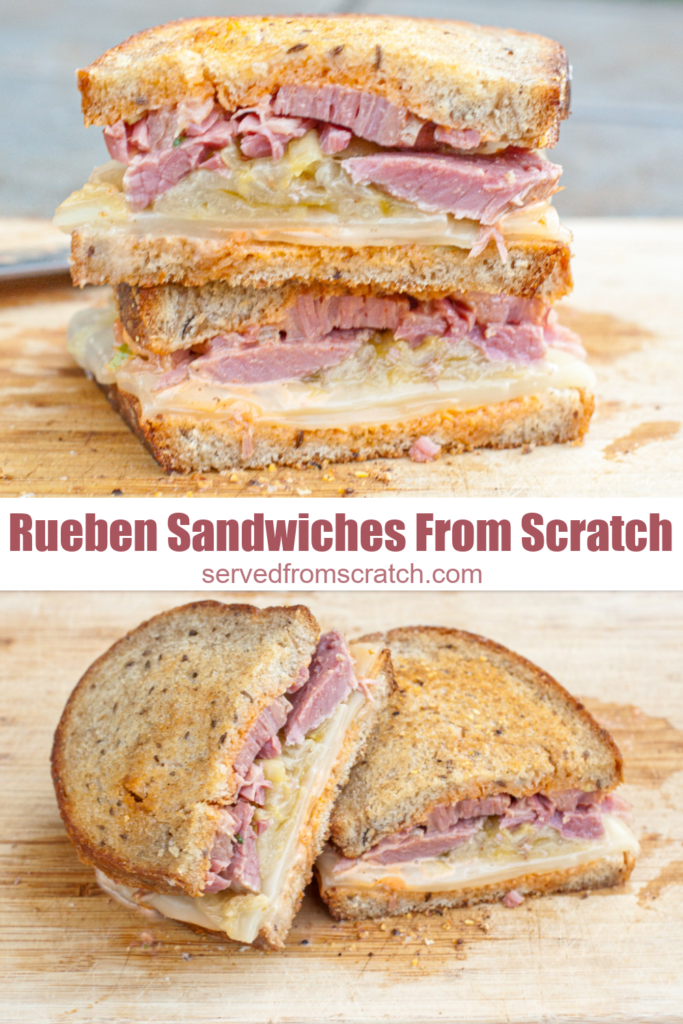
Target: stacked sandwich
(329,238)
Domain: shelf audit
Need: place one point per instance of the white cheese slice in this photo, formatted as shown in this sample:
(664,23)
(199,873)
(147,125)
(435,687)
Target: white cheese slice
(299,777)
(444,874)
(101,204)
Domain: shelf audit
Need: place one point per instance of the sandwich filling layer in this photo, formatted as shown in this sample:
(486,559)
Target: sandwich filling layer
(348,169)
(345,360)
(285,767)
(482,842)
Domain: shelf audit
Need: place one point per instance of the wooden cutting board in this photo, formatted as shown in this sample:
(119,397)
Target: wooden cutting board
(58,434)
(68,953)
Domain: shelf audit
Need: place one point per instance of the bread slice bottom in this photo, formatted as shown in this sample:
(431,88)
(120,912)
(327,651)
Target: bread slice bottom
(114,256)
(188,444)
(348,904)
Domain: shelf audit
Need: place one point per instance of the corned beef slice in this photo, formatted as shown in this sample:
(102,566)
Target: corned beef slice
(322,332)
(267,725)
(228,362)
(416,843)
(482,188)
(367,116)
(424,450)
(331,680)
(312,318)
(334,140)
(234,858)
(572,813)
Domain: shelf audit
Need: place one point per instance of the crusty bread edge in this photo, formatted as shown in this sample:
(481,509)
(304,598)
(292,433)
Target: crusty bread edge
(113,256)
(348,904)
(114,867)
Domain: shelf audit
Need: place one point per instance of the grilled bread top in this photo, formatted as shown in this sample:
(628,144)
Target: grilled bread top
(468,719)
(510,86)
(143,754)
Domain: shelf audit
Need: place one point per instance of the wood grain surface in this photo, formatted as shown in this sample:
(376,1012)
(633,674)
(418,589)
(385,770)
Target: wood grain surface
(58,434)
(69,953)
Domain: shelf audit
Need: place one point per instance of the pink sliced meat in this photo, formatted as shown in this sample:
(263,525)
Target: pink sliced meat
(331,680)
(234,857)
(150,175)
(416,844)
(271,748)
(228,363)
(482,188)
(268,135)
(458,138)
(583,823)
(179,369)
(570,799)
(255,784)
(445,815)
(267,725)
(512,899)
(301,679)
(242,871)
(334,140)
(255,146)
(313,317)
(424,450)
(532,810)
(501,309)
(116,140)
(519,343)
(615,804)
(443,318)
(366,115)
(221,853)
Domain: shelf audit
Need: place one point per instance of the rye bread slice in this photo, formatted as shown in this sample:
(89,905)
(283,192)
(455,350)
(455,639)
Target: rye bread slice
(508,85)
(143,754)
(468,719)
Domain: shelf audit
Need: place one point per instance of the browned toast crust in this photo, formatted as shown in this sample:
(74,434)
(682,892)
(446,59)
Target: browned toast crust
(425,271)
(508,85)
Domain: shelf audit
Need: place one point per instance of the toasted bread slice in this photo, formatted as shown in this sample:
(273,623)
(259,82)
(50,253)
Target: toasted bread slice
(113,256)
(348,904)
(142,757)
(186,443)
(509,86)
(172,317)
(467,720)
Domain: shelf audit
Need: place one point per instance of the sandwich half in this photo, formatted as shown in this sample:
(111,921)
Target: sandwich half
(484,780)
(197,761)
(329,237)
